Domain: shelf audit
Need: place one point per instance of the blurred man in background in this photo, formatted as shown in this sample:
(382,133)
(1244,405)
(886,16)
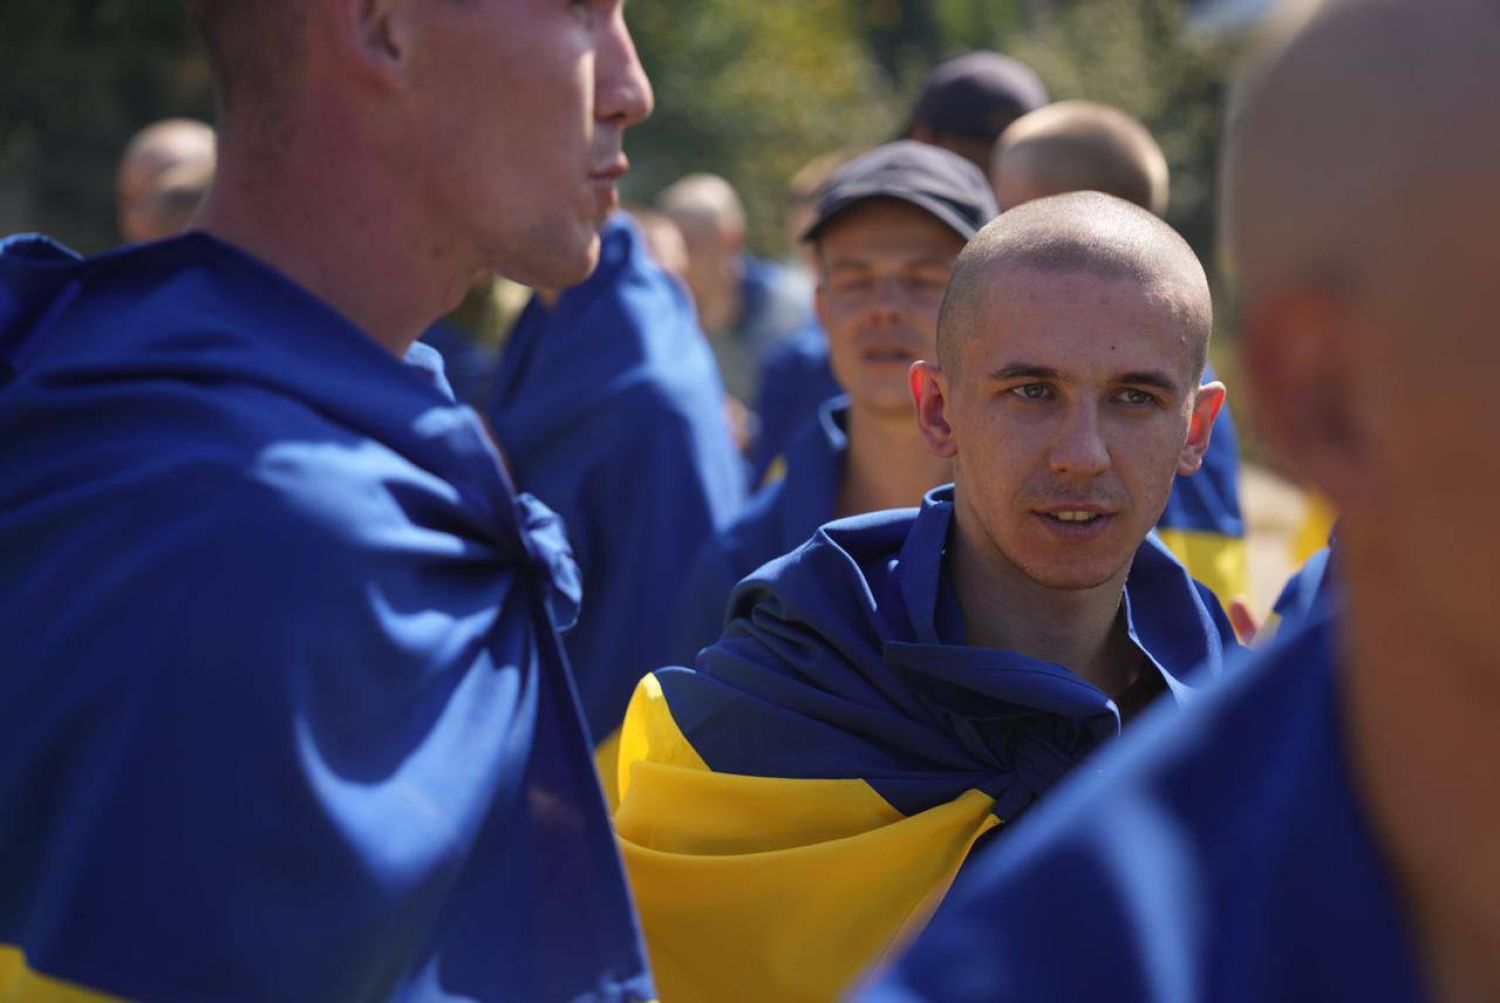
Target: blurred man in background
(745,304)
(283,710)
(1082,146)
(888,228)
(164,174)
(1077,146)
(1325,824)
(967,102)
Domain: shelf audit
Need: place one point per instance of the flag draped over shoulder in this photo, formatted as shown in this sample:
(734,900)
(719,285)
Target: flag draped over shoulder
(803,798)
(282,710)
(1225,856)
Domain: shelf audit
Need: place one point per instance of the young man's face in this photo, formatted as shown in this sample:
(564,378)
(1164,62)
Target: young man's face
(525,104)
(884,266)
(1074,405)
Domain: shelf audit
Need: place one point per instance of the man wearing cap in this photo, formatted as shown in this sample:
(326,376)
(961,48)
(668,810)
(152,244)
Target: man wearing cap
(908,681)
(967,102)
(888,228)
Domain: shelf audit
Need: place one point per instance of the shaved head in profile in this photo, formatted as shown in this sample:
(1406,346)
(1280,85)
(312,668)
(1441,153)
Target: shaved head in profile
(1085,232)
(1345,140)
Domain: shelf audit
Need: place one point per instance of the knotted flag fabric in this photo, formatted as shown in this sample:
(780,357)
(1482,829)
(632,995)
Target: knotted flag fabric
(283,713)
(1223,855)
(799,802)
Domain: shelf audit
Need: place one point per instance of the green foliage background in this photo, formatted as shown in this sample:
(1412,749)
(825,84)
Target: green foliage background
(751,89)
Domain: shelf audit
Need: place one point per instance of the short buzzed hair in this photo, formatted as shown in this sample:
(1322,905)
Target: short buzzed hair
(1083,146)
(1077,232)
(253,46)
(702,201)
(1334,82)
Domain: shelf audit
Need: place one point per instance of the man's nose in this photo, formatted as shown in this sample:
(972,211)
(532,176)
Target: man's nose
(888,300)
(1080,450)
(624,92)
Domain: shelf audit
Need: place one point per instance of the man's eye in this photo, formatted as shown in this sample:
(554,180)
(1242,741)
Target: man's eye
(1133,396)
(1033,391)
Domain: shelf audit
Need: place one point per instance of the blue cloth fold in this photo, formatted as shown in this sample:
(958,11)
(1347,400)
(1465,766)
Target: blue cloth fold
(610,410)
(282,712)
(1222,854)
(840,661)
(779,518)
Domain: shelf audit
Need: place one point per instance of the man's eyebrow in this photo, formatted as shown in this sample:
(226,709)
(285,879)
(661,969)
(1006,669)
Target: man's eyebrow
(1021,370)
(1149,378)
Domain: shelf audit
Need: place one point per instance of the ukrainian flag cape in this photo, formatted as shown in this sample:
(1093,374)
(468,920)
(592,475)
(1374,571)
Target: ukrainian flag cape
(282,710)
(803,798)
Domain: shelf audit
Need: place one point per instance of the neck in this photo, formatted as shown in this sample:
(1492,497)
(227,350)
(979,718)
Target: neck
(1422,703)
(888,464)
(347,234)
(1080,629)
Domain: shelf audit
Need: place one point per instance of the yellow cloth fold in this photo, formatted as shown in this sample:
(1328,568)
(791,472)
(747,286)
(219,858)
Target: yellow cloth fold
(1218,561)
(19,983)
(761,888)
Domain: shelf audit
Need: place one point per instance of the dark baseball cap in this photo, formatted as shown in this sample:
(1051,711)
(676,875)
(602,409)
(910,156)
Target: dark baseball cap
(977,95)
(928,177)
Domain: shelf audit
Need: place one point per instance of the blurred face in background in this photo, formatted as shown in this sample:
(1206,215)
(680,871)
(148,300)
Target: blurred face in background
(883,266)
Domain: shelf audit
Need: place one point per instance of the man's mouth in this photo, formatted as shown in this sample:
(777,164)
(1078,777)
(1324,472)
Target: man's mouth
(1076,524)
(888,355)
(1075,516)
(602,180)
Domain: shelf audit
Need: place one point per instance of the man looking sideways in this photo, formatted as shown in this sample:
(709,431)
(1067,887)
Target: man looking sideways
(907,681)
(888,228)
(1325,825)
(1073,146)
(282,710)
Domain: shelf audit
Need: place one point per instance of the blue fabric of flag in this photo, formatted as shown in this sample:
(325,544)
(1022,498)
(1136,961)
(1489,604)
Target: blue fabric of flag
(796,380)
(1218,855)
(1209,501)
(610,410)
(283,713)
(777,520)
(846,658)
(1313,586)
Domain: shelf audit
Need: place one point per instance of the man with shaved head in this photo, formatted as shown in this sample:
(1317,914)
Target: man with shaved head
(1324,825)
(746,305)
(164,174)
(284,714)
(907,683)
(1083,146)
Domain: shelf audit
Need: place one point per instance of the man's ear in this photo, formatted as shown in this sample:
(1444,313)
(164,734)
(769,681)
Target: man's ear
(1207,405)
(373,36)
(1298,352)
(929,391)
